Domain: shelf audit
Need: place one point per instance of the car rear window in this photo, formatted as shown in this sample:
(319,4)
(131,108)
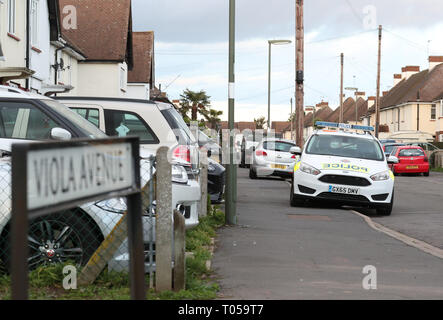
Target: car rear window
(178,125)
(278,146)
(411,153)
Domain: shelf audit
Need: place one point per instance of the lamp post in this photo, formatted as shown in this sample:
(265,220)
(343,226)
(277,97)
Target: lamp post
(270,43)
(356,111)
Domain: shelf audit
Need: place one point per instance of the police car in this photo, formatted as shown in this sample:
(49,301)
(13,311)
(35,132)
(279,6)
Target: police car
(345,164)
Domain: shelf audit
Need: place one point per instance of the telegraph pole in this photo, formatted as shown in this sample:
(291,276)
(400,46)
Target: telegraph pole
(377,100)
(299,71)
(342,58)
(292,123)
(231,170)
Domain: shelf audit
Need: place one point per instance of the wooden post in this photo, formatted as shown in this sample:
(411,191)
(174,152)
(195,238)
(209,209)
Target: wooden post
(377,100)
(163,225)
(179,252)
(204,183)
(299,71)
(342,56)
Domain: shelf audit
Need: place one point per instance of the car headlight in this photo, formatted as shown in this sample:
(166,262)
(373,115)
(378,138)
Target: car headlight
(179,174)
(381,176)
(306,168)
(211,168)
(116,205)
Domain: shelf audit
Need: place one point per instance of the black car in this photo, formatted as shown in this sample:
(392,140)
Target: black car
(216,181)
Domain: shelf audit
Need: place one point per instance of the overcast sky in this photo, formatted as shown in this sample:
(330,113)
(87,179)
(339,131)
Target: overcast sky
(191,46)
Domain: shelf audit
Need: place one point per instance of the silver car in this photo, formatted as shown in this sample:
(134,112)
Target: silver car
(272,157)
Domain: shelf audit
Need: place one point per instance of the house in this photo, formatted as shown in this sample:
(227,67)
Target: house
(15,67)
(319,113)
(141,78)
(103,32)
(280,127)
(411,105)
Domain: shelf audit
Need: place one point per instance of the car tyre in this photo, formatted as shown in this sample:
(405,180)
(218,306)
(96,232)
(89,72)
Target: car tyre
(252,174)
(76,235)
(426,174)
(387,209)
(295,200)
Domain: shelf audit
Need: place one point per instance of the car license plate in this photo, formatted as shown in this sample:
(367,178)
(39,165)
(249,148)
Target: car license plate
(344,190)
(411,167)
(278,166)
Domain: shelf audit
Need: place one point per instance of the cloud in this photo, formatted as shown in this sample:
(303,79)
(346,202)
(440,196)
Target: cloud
(199,21)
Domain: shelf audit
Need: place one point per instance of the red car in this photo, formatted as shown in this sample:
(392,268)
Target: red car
(411,159)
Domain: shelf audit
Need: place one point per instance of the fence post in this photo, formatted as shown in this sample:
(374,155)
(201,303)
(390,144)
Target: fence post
(163,226)
(179,251)
(204,183)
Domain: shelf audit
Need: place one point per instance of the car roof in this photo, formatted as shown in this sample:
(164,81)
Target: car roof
(410,147)
(16,93)
(277,139)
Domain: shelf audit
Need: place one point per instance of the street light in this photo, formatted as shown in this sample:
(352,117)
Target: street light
(356,111)
(271,42)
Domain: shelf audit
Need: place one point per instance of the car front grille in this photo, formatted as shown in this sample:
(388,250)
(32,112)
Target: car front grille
(345,180)
(342,197)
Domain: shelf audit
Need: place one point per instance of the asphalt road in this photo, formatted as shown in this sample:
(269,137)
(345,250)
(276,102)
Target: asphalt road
(418,208)
(279,252)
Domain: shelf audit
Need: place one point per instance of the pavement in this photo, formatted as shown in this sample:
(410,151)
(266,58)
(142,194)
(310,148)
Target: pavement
(280,252)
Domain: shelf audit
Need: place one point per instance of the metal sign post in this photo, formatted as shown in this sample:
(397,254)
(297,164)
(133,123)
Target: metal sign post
(51,177)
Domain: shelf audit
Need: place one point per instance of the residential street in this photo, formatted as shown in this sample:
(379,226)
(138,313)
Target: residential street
(279,252)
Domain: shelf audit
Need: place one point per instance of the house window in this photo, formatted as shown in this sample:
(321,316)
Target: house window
(34,22)
(433,111)
(11,16)
(122,79)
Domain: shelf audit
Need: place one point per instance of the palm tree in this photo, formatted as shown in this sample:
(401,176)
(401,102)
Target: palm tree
(260,123)
(213,117)
(196,102)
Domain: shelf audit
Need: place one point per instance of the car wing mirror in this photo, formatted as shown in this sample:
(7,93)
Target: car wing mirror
(392,160)
(295,150)
(60,134)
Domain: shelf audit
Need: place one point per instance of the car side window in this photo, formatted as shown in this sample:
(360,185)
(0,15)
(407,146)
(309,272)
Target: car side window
(24,121)
(90,114)
(123,123)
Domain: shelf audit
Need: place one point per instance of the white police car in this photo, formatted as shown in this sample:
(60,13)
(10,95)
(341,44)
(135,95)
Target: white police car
(345,166)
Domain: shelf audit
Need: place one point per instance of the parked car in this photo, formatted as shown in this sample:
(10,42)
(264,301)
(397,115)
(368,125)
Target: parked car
(26,117)
(411,159)
(157,124)
(216,181)
(426,146)
(273,157)
(386,141)
(388,147)
(343,167)
(250,141)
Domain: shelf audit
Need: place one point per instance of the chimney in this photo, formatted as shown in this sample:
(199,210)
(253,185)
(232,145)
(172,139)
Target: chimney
(360,94)
(435,61)
(309,108)
(409,71)
(397,78)
(321,105)
(371,101)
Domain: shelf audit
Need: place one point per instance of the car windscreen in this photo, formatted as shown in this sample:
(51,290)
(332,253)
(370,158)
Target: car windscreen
(345,146)
(278,146)
(411,153)
(178,125)
(389,148)
(81,123)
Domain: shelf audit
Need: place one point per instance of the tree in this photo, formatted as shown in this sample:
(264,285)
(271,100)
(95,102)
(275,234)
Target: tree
(196,102)
(213,117)
(260,123)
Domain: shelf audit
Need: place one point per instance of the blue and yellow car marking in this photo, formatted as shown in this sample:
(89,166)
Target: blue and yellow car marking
(297,165)
(391,174)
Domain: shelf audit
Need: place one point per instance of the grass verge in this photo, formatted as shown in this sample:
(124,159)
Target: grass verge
(46,282)
(437,169)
